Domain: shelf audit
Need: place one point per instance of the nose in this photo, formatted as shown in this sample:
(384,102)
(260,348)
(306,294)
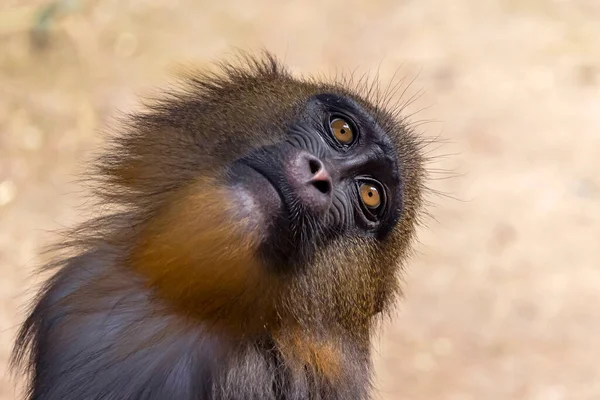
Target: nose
(311,181)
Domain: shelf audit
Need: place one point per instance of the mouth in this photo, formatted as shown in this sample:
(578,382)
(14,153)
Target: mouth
(256,193)
(268,201)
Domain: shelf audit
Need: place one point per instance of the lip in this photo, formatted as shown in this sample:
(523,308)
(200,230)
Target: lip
(265,176)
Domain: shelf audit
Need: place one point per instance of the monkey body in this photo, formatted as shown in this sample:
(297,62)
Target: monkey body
(262,224)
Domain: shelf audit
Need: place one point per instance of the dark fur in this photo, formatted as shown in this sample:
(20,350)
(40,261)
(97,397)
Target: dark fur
(97,332)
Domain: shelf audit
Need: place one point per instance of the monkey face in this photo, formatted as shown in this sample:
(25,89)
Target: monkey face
(332,172)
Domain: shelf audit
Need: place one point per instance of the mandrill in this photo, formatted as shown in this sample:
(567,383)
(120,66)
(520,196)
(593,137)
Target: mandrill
(258,226)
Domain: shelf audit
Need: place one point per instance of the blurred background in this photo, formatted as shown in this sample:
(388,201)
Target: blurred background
(502,298)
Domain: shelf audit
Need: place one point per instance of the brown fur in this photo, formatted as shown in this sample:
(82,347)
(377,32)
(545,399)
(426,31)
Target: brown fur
(224,283)
(301,349)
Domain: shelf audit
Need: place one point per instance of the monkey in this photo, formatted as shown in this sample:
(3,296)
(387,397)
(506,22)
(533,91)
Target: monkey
(253,230)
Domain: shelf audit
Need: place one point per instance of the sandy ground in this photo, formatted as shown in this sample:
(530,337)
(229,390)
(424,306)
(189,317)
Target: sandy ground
(503,297)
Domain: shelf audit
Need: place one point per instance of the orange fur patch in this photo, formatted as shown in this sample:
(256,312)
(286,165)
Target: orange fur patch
(203,260)
(323,356)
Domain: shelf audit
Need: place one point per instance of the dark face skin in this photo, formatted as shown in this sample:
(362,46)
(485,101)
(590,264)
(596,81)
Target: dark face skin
(333,173)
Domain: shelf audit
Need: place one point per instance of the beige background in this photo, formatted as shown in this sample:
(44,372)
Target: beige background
(503,297)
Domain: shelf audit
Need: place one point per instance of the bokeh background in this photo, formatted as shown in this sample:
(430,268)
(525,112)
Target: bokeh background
(503,296)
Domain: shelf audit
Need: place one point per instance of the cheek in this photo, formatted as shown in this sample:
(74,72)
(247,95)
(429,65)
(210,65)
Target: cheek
(199,252)
(341,215)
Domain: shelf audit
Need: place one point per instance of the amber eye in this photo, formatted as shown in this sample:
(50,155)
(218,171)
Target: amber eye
(342,131)
(370,195)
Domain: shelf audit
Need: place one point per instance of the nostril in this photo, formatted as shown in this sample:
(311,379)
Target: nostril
(319,176)
(310,180)
(314,165)
(322,186)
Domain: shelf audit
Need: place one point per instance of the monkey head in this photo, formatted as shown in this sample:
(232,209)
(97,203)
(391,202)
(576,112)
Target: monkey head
(262,198)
